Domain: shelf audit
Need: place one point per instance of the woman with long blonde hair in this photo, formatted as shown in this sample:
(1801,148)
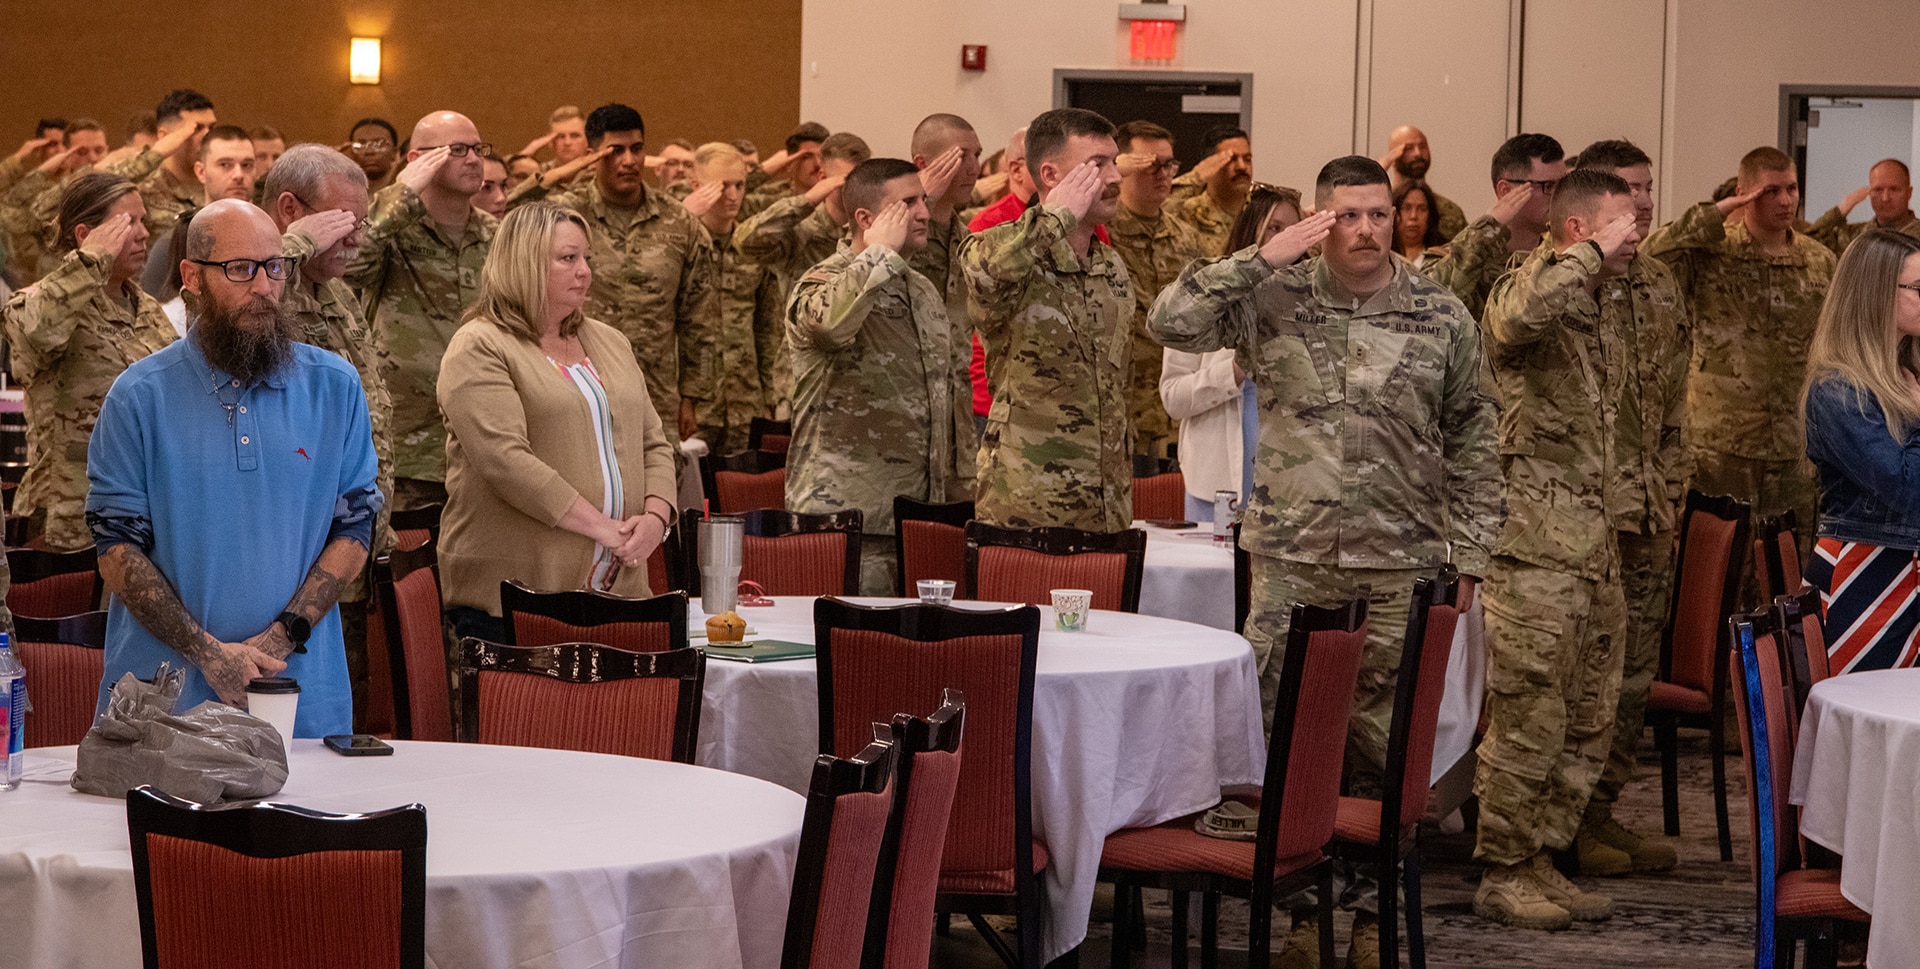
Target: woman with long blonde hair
(1862,407)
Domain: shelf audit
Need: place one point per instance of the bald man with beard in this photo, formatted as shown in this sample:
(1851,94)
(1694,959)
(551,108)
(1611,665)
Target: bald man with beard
(1407,159)
(232,489)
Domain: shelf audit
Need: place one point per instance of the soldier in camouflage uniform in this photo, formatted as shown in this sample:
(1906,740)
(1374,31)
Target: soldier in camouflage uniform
(1556,616)
(1525,169)
(417,270)
(881,402)
(171,187)
(1645,306)
(743,309)
(1155,248)
(1890,189)
(71,335)
(1375,460)
(1407,159)
(29,206)
(1051,304)
(1211,196)
(26,257)
(798,230)
(653,264)
(947,151)
(1753,289)
(324,236)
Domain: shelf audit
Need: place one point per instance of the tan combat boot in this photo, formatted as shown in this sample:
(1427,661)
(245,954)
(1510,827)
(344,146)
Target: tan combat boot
(1302,948)
(1364,951)
(1509,894)
(1642,854)
(1581,906)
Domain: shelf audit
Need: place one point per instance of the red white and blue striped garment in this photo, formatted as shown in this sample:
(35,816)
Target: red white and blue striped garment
(1871,597)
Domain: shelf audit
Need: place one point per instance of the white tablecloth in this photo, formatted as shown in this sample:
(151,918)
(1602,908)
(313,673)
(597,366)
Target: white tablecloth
(534,858)
(1136,721)
(1188,576)
(1857,774)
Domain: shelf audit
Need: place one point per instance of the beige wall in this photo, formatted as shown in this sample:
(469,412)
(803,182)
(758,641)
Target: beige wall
(1694,82)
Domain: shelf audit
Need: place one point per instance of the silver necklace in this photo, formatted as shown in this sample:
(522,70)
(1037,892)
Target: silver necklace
(228,407)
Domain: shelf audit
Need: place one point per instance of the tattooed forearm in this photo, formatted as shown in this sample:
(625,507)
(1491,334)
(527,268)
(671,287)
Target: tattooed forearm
(337,564)
(130,575)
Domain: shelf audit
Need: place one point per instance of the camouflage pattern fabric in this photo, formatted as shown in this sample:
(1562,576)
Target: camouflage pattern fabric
(1208,223)
(745,311)
(789,236)
(1155,250)
(1476,257)
(1646,580)
(70,340)
(1054,325)
(1452,218)
(1833,230)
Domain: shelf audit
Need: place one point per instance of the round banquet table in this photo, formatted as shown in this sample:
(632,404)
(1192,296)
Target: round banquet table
(534,857)
(1139,720)
(1856,774)
(1187,576)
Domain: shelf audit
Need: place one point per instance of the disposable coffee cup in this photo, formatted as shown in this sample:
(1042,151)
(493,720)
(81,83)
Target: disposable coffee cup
(1070,609)
(276,699)
(936,592)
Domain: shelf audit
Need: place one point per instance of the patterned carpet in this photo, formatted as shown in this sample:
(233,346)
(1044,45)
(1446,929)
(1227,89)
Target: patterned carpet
(1699,915)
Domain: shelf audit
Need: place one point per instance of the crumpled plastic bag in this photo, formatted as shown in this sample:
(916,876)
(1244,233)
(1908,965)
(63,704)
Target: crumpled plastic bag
(209,754)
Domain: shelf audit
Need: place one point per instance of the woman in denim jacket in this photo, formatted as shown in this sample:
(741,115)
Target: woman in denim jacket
(1862,407)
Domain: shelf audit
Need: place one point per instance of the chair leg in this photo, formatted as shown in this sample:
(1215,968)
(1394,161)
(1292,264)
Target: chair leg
(1031,923)
(1122,953)
(1177,958)
(1666,736)
(1326,915)
(1210,930)
(1416,926)
(1137,905)
(1716,736)
(1259,928)
(1389,921)
(942,923)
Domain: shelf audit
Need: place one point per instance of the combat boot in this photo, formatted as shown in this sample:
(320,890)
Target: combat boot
(1364,951)
(1302,949)
(1599,859)
(1581,906)
(1642,854)
(1509,894)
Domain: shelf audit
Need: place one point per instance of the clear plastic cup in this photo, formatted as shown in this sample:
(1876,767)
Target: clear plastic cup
(936,592)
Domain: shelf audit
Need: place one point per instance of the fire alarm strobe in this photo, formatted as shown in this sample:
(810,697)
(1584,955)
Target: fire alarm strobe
(973,57)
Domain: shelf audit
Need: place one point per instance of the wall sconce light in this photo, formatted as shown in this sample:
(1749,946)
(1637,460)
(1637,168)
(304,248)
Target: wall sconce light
(363,61)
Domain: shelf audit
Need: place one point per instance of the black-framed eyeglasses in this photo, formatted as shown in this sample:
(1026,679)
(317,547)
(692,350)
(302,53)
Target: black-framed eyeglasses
(242,270)
(1544,186)
(360,226)
(459,149)
(1169,165)
(1915,286)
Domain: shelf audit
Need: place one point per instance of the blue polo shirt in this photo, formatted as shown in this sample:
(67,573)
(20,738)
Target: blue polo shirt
(235,515)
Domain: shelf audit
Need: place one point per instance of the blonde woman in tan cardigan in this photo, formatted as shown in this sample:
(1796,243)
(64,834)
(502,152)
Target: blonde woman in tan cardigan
(558,471)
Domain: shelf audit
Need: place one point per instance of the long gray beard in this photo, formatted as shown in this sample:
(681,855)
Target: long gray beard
(236,341)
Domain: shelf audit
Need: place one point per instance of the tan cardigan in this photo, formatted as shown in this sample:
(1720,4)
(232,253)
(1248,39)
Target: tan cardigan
(520,448)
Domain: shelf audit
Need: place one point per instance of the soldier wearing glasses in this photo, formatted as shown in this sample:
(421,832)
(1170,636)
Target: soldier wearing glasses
(1154,247)
(417,270)
(1525,171)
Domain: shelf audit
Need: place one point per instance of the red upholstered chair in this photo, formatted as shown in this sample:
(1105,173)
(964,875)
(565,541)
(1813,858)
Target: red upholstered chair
(582,696)
(408,585)
(1160,497)
(1791,902)
(876,661)
(926,775)
(1776,556)
(1026,564)
(744,481)
(1387,832)
(273,886)
(842,838)
(1300,800)
(930,542)
(65,659)
(378,717)
(1803,657)
(413,527)
(53,584)
(1691,688)
(791,554)
(771,436)
(635,625)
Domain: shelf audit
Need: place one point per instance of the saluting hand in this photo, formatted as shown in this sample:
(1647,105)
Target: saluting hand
(1615,235)
(174,141)
(419,173)
(700,201)
(111,237)
(56,163)
(889,228)
(1294,241)
(1739,200)
(937,177)
(1854,198)
(1507,207)
(326,228)
(1211,165)
(827,185)
(1078,189)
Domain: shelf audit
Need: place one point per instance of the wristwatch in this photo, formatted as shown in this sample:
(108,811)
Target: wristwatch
(298,630)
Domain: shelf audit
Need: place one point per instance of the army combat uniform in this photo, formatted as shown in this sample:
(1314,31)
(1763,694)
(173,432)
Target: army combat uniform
(1155,250)
(653,270)
(744,310)
(1476,257)
(70,339)
(882,401)
(1833,230)
(1448,213)
(1054,324)
(789,236)
(1556,618)
(1208,224)
(415,282)
(1753,316)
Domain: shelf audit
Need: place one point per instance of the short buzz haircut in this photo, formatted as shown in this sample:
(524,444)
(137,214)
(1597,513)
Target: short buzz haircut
(45,125)
(392,135)
(78,125)
(1210,142)
(1612,155)
(1516,155)
(1133,131)
(1579,193)
(812,131)
(932,127)
(180,100)
(845,146)
(1765,158)
(1905,173)
(224,132)
(745,146)
(685,143)
(142,123)
(866,185)
(610,118)
(565,112)
(1349,171)
(304,170)
(1047,134)
(266,132)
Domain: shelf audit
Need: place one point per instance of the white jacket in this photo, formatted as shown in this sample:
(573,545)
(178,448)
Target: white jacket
(1199,391)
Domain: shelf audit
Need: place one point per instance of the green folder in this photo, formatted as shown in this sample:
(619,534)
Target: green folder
(759,651)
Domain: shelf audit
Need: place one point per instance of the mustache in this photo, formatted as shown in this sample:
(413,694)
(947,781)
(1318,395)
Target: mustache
(1112,192)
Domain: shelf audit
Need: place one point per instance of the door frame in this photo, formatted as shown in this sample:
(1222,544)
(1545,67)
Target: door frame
(1793,111)
(1062,75)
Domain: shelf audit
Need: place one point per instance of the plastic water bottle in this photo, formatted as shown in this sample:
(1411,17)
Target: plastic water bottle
(13,713)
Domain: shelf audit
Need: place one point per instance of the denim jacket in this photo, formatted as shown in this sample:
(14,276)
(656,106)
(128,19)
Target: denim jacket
(1869,483)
